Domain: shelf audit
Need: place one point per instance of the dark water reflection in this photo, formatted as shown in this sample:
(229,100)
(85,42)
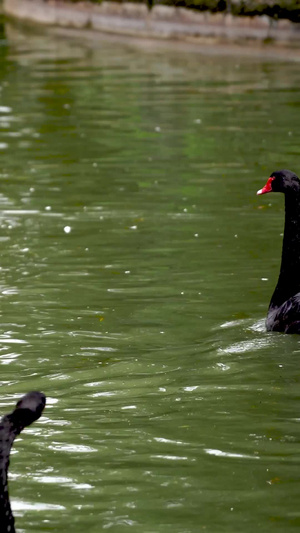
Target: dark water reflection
(136,269)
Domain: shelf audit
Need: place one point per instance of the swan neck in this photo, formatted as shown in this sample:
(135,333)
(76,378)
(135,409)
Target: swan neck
(289,278)
(9,429)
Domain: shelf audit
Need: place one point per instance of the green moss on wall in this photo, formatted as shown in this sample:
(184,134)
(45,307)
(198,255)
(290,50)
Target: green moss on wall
(286,9)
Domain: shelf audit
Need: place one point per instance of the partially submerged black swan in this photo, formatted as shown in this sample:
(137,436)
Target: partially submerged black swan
(27,410)
(284,309)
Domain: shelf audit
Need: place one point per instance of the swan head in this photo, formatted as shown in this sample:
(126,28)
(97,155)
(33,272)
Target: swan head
(29,408)
(284,181)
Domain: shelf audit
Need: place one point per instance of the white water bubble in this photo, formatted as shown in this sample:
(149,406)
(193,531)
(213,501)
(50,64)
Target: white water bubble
(5,109)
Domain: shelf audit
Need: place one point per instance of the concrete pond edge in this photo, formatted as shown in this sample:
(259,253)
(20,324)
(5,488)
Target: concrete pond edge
(162,22)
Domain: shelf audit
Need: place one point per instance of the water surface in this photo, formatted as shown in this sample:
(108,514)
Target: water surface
(136,269)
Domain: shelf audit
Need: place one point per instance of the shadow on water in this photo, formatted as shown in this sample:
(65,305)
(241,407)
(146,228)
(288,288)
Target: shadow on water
(136,270)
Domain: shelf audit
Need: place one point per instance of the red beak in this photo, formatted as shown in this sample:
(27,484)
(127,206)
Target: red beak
(267,187)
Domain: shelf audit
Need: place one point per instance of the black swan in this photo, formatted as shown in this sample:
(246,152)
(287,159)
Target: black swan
(284,309)
(27,410)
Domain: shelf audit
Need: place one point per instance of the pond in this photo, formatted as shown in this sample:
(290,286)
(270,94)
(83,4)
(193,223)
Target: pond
(137,265)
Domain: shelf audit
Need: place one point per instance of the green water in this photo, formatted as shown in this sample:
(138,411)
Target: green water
(137,265)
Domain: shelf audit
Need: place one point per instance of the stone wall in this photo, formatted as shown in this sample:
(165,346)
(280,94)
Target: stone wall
(277,9)
(161,21)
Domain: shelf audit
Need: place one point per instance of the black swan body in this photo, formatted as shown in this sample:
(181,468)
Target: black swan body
(284,309)
(27,410)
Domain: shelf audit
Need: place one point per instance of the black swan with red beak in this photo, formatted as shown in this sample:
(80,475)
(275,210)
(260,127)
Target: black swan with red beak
(284,309)
(27,410)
